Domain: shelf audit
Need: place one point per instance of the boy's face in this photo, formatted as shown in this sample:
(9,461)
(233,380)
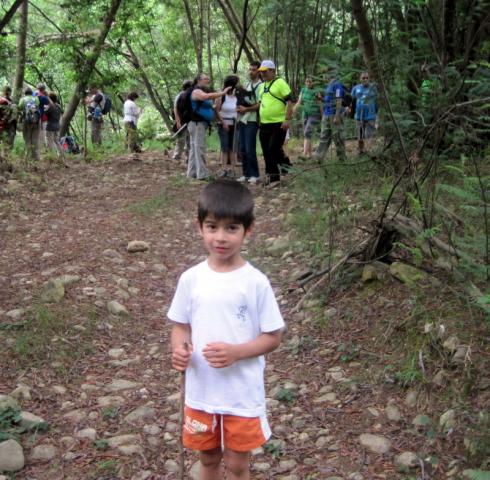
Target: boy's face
(223,240)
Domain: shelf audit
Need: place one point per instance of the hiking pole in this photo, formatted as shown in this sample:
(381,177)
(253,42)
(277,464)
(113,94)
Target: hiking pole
(233,147)
(181,129)
(182,413)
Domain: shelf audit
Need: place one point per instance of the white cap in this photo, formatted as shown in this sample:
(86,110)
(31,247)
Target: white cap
(266,65)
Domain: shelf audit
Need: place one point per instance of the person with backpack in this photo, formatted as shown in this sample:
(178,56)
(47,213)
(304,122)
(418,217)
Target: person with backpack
(275,113)
(42,94)
(366,110)
(199,114)
(8,117)
(248,125)
(226,116)
(30,116)
(182,141)
(131,116)
(97,108)
(310,99)
(53,113)
(332,126)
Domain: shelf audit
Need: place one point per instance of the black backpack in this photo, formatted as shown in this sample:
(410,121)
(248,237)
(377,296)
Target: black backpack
(69,144)
(184,107)
(346,99)
(107,105)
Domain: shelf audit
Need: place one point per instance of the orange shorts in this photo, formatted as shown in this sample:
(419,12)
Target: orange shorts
(206,431)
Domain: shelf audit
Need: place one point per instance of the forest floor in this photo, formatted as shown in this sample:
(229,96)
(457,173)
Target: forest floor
(103,381)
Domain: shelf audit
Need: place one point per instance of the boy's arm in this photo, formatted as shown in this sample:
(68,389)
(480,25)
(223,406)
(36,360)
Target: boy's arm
(220,354)
(180,341)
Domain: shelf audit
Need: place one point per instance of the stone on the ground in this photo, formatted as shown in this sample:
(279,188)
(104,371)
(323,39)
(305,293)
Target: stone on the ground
(451,344)
(278,246)
(110,401)
(421,420)
(262,466)
(406,273)
(29,421)
(6,401)
(171,466)
(407,460)
(411,399)
(119,384)
(11,456)
(111,253)
(440,378)
(195,471)
(327,398)
(76,416)
(140,413)
(130,449)
(67,280)
(447,421)
(142,475)
(59,389)
(89,433)
(116,352)
(119,440)
(355,476)
(22,392)
(53,291)
(461,355)
(44,452)
(393,413)
(137,246)
(115,308)
(375,443)
(15,314)
(287,464)
(369,274)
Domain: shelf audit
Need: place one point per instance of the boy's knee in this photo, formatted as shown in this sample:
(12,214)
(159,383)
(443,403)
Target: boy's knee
(237,462)
(211,458)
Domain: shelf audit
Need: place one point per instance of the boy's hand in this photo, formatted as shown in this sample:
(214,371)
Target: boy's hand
(220,355)
(181,356)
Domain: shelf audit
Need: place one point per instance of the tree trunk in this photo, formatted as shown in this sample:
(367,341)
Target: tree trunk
(195,40)
(236,27)
(155,100)
(21,51)
(365,36)
(244,37)
(88,67)
(208,38)
(10,13)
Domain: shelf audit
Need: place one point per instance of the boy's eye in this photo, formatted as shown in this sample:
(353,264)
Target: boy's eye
(233,228)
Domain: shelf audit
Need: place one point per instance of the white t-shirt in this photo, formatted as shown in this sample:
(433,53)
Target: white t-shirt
(232,307)
(131,112)
(228,110)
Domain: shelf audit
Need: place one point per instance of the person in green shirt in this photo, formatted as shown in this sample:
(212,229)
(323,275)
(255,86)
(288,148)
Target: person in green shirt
(310,98)
(30,116)
(275,112)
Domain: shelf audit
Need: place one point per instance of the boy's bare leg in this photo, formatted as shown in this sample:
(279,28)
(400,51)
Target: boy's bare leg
(211,464)
(237,465)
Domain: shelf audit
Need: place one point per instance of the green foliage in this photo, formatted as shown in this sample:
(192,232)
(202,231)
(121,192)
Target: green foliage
(151,206)
(101,444)
(286,395)
(9,420)
(477,474)
(47,334)
(110,412)
(274,448)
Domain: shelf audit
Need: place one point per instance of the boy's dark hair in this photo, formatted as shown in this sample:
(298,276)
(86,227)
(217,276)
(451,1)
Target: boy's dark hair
(28,91)
(226,199)
(254,63)
(133,96)
(53,97)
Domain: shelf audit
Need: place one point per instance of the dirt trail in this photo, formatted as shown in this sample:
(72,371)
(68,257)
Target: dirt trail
(79,222)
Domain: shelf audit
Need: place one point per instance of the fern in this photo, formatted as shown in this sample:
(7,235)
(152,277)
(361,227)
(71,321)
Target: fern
(477,474)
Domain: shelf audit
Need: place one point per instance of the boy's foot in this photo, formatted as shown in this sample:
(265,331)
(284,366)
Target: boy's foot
(253,180)
(242,179)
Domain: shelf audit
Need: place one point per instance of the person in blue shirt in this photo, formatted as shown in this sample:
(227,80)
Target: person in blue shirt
(332,126)
(365,96)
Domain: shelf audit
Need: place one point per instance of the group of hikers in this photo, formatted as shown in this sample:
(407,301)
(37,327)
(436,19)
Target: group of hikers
(38,115)
(265,105)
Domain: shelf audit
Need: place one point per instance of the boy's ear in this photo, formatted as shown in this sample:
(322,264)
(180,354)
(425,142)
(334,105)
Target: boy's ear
(250,229)
(198,226)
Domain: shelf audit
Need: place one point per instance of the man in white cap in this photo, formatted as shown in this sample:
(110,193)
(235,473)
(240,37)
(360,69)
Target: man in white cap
(275,112)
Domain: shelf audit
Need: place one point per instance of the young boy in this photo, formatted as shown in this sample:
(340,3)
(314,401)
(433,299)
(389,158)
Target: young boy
(225,318)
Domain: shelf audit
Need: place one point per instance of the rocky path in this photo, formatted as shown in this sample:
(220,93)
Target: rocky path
(111,399)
